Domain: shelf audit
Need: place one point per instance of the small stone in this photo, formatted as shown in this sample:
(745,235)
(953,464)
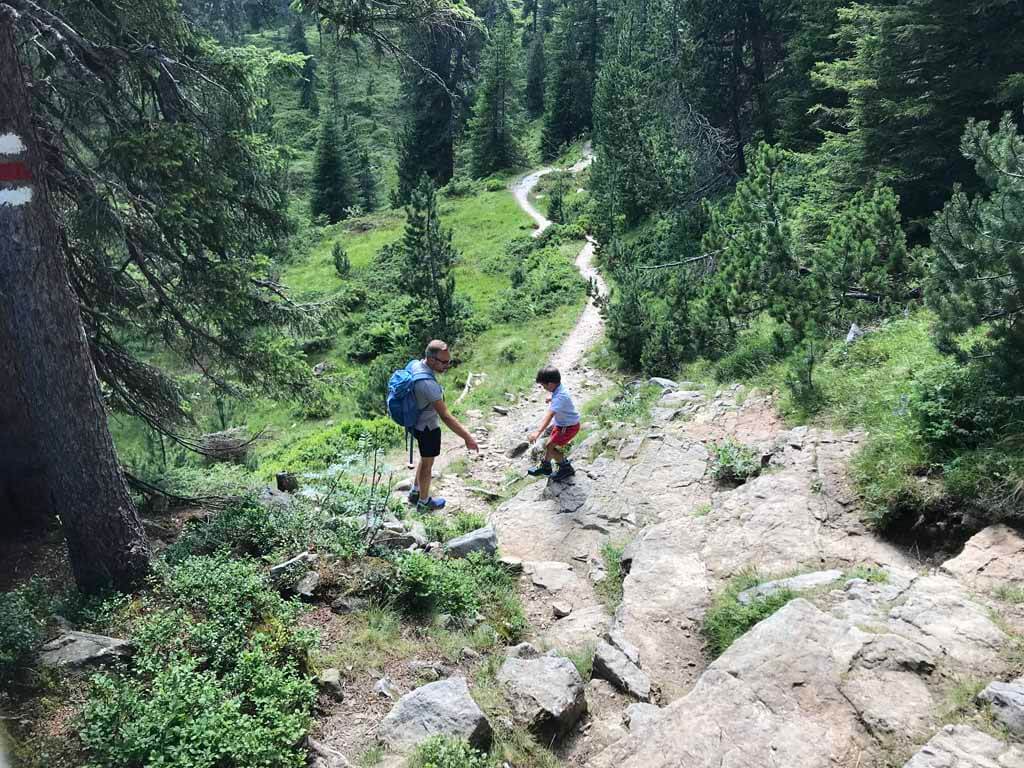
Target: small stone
(303,560)
(308,585)
(523,651)
(501,410)
(349,604)
(664,383)
(468,654)
(329,681)
(386,688)
(561,610)
(404,485)
(517,450)
(612,665)
(511,564)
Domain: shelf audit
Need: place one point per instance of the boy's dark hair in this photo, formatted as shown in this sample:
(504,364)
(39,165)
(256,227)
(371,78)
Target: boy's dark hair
(549,375)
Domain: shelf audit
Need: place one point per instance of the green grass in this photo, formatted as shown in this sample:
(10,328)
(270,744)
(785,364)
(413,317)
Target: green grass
(702,510)
(371,640)
(868,573)
(609,591)
(727,619)
(583,660)
(1009,594)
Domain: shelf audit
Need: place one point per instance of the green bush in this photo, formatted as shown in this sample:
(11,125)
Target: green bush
(419,584)
(21,631)
(734,462)
(321,449)
(447,752)
(217,681)
(727,619)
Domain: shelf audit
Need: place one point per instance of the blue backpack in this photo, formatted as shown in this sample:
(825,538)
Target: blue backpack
(402,407)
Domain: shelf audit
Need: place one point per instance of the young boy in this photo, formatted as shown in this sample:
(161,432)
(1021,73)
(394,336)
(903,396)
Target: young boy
(567,424)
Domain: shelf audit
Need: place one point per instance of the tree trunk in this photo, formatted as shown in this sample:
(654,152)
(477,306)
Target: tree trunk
(52,412)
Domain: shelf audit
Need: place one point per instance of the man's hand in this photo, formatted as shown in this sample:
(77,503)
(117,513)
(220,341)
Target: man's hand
(471,444)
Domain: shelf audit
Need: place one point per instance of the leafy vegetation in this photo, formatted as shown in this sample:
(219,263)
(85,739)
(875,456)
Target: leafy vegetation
(734,463)
(447,752)
(609,590)
(728,619)
(21,631)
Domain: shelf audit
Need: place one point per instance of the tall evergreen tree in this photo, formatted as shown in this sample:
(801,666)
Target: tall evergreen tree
(493,143)
(366,181)
(535,74)
(574,47)
(912,74)
(428,272)
(333,192)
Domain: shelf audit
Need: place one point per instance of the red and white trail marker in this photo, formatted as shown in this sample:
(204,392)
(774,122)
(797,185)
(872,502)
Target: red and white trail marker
(13,171)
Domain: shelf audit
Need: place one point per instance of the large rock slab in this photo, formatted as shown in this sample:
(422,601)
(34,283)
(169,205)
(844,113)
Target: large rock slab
(75,650)
(1007,700)
(960,746)
(546,693)
(773,699)
(795,583)
(992,557)
(444,708)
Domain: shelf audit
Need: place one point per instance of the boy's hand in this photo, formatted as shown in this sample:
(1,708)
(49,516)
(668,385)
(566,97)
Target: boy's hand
(532,437)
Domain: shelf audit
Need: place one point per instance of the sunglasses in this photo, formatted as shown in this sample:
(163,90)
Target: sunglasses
(446,363)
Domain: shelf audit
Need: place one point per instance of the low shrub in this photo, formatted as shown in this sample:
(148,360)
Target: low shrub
(728,619)
(218,679)
(447,752)
(319,450)
(21,630)
(419,584)
(609,591)
(734,463)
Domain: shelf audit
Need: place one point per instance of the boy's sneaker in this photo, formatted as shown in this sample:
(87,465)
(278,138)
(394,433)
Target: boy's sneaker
(432,504)
(565,471)
(414,496)
(544,468)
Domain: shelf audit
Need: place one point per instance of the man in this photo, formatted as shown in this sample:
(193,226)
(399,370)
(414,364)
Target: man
(432,411)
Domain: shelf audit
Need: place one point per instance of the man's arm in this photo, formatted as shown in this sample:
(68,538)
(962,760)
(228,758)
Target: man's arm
(548,416)
(453,424)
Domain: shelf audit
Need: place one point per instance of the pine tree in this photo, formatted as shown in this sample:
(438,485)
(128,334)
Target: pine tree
(332,184)
(342,264)
(572,73)
(366,180)
(627,325)
(428,266)
(535,75)
(493,144)
(977,275)
(307,96)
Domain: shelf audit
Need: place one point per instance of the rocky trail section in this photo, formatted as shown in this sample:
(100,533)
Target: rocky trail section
(853,673)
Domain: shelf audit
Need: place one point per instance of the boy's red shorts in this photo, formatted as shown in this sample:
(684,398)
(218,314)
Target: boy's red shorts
(562,435)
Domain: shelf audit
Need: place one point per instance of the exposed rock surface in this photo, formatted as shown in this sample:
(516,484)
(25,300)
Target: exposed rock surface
(960,746)
(1007,700)
(795,583)
(444,707)
(991,558)
(546,693)
(75,650)
(612,665)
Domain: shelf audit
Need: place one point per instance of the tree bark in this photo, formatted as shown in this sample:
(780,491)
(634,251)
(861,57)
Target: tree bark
(53,414)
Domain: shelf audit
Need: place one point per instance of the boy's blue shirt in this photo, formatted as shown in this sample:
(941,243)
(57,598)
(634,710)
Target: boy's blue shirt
(565,412)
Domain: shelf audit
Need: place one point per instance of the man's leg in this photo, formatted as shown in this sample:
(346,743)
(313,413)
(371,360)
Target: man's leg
(423,472)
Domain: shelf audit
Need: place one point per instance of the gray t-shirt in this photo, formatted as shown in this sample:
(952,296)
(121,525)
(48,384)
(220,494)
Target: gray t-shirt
(428,392)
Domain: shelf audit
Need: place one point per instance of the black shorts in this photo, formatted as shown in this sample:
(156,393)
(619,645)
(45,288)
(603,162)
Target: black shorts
(429,442)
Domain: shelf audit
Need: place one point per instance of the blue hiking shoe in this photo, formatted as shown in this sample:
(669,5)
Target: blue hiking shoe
(432,504)
(544,468)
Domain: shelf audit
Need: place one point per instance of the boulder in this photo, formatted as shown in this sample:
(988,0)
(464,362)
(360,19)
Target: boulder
(960,746)
(1007,700)
(481,540)
(992,557)
(612,665)
(75,650)
(658,381)
(546,693)
(795,583)
(442,708)
(561,609)
(329,681)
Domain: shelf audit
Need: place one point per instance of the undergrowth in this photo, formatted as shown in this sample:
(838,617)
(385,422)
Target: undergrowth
(728,619)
